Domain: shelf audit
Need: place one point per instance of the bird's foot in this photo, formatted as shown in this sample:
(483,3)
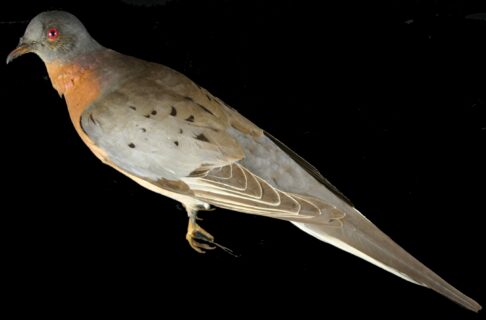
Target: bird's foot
(198,238)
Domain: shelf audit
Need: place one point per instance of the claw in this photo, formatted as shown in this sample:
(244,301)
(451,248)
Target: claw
(200,247)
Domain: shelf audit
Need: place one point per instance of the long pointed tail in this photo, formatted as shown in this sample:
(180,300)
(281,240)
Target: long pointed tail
(360,237)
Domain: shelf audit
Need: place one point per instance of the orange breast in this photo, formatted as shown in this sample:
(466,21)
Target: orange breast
(80,86)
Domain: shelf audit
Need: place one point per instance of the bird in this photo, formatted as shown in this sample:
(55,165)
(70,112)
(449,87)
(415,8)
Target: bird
(171,136)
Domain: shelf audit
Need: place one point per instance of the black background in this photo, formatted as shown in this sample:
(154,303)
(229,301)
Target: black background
(387,99)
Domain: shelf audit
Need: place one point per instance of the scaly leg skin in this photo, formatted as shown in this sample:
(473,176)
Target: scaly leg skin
(198,238)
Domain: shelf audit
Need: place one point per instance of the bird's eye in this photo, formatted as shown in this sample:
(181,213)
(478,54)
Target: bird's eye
(52,34)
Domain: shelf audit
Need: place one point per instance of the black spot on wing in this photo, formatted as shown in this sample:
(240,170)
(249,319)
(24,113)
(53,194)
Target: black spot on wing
(131,145)
(205,109)
(190,118)
(198,173)
(173,111)
(176,143)
(153,112)
(202,137)
(133,108)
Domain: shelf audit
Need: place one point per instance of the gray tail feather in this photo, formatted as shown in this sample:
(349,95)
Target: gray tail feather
(360,237)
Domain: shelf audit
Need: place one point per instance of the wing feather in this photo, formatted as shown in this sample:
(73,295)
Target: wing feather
(246,192)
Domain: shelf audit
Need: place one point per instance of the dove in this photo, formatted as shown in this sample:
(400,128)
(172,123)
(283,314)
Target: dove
(171,136)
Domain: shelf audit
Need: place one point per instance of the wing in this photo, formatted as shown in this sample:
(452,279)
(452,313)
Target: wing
(163,126)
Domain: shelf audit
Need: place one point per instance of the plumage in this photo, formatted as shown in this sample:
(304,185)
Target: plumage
(173,137)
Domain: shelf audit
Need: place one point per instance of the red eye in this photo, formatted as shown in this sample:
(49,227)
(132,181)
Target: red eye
(52,34)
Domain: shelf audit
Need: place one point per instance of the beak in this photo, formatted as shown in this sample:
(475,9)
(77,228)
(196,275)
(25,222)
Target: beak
(21,49)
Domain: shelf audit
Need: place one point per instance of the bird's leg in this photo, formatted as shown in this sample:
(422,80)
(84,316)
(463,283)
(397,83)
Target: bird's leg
(197,236)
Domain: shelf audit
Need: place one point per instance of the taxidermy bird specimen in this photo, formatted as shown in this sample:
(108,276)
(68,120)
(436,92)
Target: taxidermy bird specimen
(173,137)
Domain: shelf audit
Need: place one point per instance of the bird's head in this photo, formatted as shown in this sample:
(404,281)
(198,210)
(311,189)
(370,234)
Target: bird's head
(55,36)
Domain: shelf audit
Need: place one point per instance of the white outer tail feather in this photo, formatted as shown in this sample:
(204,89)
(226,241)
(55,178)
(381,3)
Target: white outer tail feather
(345,247)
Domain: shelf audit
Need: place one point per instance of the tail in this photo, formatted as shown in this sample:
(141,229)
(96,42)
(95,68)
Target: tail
(363,239)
